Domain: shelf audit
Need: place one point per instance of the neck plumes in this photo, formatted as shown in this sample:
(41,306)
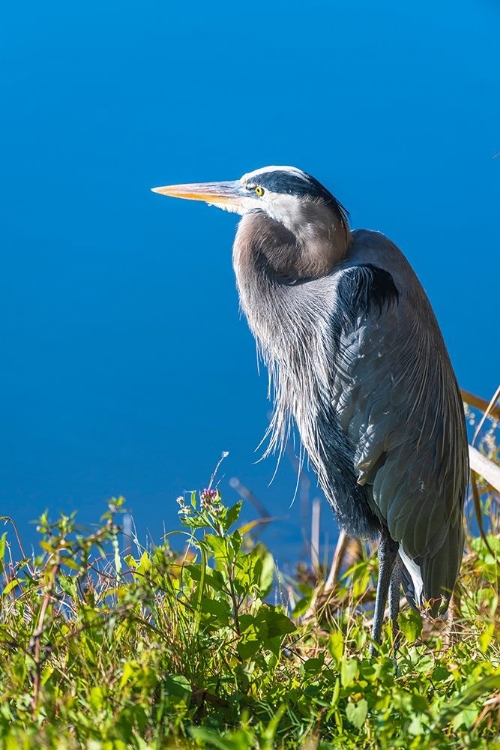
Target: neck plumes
(282,282)
(271,258)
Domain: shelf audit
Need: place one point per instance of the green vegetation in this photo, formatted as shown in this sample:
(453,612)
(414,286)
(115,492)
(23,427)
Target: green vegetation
(180,649)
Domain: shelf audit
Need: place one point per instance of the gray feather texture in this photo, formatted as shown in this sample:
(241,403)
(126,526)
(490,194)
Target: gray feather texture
(357,360)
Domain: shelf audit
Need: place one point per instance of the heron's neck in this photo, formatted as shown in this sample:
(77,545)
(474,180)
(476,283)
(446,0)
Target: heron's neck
(289,320)
(279,276)
(293,251)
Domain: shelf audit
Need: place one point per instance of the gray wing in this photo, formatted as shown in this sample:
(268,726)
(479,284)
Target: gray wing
(398,402)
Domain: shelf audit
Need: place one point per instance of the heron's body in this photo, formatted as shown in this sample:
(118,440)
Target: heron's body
(357,360)
(386,440)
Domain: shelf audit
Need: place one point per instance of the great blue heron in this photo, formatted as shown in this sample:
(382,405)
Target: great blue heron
(357,360)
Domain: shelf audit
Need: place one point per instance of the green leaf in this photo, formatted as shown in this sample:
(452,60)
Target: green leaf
(250,642)
(356,713)
(465,718)
(129,668)
(336,645)
(193,522)
(144,564)
(416,726)
(440,673)
(254,634)
(233,514)
(267,570)
(410,624)
(68,585)
(313,666)
(302,606)
(336,693)
(486,637)
(179,687)
(2,550)
(69,562)
(131,562)
(487,684)
(221,610)
(348,671)
(240,739)
(248,648)
(277,623)
(11,585)
(419,703)
(274,645)
(213,578)
(219,548)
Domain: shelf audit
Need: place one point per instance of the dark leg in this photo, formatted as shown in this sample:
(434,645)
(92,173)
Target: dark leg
(387,554)
(394,594)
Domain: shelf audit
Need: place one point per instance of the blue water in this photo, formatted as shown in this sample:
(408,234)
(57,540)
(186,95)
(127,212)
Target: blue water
(126,368)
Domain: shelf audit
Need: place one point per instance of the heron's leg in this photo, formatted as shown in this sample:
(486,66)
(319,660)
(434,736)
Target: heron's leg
(387,554)
(394,593)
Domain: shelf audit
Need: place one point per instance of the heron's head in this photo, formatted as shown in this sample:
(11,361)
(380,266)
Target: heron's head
(285,194)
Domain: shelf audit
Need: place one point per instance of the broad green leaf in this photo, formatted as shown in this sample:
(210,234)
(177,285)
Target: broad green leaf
(356,713)
(253,635)
(348,671)
(313,666)
(215,607)
(179,687)
(267,570)
(410,624)
(249,621)
(419,703)
(416,726)
(248,646)
(274,645)
(68,585)
(440,673)
(277,623)
(144,564)
(250,642)
(486,637)
(47,673)
(213,578)
(219,548)
(465,718)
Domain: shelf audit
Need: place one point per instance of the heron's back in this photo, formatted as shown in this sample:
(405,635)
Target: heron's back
(396,398)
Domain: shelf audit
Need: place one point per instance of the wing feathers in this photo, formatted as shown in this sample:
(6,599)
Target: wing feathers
(397,400)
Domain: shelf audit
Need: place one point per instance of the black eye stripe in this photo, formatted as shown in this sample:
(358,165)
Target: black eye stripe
(300,185)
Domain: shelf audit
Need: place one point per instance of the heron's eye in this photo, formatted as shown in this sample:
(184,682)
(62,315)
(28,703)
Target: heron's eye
(259,190)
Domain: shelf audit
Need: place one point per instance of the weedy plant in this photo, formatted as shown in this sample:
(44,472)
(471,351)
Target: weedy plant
(179,647)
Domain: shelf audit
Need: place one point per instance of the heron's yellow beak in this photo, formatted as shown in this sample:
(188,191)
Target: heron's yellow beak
(210,192)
